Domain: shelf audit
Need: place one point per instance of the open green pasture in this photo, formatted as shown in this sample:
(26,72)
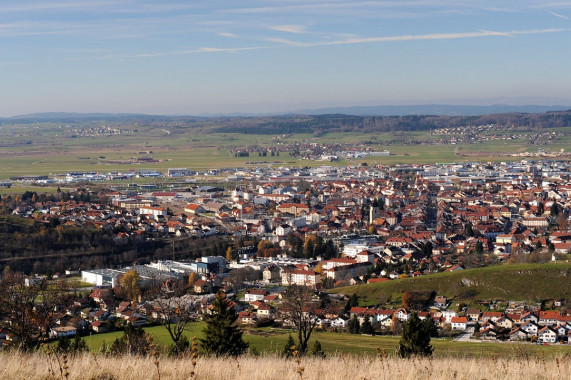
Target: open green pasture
(270,341)
(532,282)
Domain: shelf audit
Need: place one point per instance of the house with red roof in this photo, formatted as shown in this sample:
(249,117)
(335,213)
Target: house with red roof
(459,323)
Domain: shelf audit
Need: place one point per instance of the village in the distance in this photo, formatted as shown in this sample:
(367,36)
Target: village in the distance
(251,232)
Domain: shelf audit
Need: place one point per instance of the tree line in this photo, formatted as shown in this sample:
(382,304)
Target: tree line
(376,124)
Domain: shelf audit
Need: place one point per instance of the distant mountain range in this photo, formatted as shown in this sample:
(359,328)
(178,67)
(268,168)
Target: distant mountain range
(432,109)
(403,110)
(73,115)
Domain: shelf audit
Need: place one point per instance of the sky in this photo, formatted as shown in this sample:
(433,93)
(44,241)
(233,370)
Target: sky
(198,57)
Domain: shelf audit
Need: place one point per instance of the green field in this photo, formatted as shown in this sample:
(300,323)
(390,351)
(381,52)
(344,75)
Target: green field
(532,282)
(46,148)
(342,343)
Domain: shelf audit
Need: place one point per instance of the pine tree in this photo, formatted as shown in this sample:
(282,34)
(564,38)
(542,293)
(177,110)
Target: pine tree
(63,344)
(367,327)
(354,326)
(415,338)
(554,211)
(221,336)
(79,344)
(427,249)
(317,351)
(352,302)
(288,348)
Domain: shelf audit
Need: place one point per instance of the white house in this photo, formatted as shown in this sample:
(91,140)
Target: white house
(283,230)
(402,314)
(440,301)
(255,295)
(340,322)
(264,311)
(300,277)
(518,334)
(546,335)
(448,315)
(154,211)
(193,208)
(530,328)
(382,314)
(459,323)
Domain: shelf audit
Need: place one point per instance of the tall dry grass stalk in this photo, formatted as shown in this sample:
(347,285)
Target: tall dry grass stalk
(20,366)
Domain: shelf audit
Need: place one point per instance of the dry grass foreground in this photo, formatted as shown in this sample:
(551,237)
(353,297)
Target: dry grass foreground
(87,366)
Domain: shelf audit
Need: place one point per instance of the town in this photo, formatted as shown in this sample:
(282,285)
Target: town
(320,228)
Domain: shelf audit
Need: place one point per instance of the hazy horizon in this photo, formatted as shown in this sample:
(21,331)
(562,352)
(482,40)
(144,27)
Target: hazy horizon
(175,57)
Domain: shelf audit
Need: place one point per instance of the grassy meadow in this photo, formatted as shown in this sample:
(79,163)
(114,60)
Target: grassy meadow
(507,282)
(272,342)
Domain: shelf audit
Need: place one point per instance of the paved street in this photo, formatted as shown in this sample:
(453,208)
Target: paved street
(465,336)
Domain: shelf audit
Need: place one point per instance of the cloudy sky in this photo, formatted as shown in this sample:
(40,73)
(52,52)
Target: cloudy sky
(222,56)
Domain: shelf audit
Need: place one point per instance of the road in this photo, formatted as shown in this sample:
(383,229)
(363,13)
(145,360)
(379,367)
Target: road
(465,336)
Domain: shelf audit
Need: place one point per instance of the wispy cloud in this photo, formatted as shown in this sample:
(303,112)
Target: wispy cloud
(55,6)
(228,35)
(281,42)
(296,29)
(424,37)
(494,33)
(205,49)
(558,15)
(99,6)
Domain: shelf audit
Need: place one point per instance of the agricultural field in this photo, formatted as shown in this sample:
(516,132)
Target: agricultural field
(47,147)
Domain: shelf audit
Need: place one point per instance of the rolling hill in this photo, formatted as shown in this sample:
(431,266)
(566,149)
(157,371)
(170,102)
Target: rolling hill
(531,282)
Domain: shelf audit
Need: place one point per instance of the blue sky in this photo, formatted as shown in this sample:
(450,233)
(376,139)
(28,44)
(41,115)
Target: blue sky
(222,56)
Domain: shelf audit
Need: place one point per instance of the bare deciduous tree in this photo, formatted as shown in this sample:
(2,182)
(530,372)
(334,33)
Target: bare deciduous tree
(175,309)
(29,309)
(299,304)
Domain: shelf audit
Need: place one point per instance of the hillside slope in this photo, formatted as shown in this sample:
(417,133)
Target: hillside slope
(532,282)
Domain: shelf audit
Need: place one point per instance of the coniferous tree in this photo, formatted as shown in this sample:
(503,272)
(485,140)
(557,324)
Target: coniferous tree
(317,351)
(430,326)
(427,249)
(354,326)
(69,346)
(468,230)
(415,338)
(79,344)
(352,302)
(367,327)
(221,336)
(554,211)
(288,348)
